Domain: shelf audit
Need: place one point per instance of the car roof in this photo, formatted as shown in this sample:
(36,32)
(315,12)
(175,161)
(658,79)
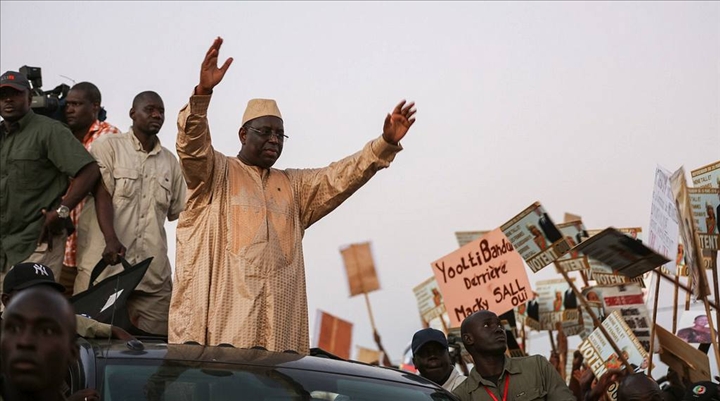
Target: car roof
(229,357)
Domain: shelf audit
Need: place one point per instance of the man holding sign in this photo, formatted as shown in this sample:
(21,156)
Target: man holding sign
(497,377)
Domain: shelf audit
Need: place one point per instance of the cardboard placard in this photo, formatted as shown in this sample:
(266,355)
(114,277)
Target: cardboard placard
(663,230)
(485,274)
(688,234)
(599,354)
(463,237)
(625,255)
(628,299)
(333,334)
(430,301)
(705,203)
(367,355)
(360,269)
(682,357)
(535,237)
(574,233)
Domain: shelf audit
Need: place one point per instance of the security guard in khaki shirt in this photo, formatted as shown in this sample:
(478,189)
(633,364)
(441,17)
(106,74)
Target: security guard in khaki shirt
(497,377)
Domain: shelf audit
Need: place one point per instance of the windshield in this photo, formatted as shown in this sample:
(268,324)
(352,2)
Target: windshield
(220,382)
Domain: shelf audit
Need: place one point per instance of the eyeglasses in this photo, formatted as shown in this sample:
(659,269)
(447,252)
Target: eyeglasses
(266,132)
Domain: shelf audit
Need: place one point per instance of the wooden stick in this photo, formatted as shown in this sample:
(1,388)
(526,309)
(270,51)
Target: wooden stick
(372,320)
(713,266)
(552,341)
(685,287)
(595,319)
(713,333)
(675,298)
(652,326)
(688,292)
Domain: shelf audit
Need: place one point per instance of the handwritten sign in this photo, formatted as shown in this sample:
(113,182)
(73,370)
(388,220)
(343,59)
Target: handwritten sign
(688,234)
(334,335)
(705,204)
(623,254)
(463,237)
(360,269)
(485,274)
(663,230)
(599,354)
(574,233)
(535,237)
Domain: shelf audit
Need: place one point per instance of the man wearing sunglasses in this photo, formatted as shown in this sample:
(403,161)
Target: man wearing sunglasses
(240,275)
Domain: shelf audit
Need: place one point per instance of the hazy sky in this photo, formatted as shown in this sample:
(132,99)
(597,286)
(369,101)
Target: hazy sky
(570,104)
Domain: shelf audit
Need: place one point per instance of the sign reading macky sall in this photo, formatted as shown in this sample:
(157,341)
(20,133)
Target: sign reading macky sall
(535,237)
(623,254)
(485,274)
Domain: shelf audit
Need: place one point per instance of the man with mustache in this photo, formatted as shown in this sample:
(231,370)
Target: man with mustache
(240,275)
(497,377)
(37,345)
(431,357)
(143,187)
(38,157)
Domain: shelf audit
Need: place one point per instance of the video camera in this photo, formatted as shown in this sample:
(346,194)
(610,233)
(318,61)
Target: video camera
(50,103)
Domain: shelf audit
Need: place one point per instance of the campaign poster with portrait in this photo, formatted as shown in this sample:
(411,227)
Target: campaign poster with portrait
(593,295)
(557,304)
(599,354)
(705,203)
(485,274)
(430,305)
(535,237)
(693,327)
(574,233)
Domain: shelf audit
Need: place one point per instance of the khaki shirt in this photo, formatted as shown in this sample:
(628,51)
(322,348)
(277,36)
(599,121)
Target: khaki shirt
(146,189)
(531,378)
(239,272)
(37,158)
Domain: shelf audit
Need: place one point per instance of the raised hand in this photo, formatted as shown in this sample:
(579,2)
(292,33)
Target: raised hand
(399,122)
(210,74)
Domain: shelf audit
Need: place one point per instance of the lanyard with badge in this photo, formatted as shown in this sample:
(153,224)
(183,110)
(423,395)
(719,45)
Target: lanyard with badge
(505,391)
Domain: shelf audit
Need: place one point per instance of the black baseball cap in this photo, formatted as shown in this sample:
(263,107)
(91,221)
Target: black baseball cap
(702,391)
(425,336)
(25,275)
(14,80)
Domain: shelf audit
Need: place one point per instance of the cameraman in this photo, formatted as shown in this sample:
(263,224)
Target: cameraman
(431,357)
(38,157)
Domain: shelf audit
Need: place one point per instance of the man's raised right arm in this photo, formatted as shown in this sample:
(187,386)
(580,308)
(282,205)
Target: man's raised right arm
(194,147)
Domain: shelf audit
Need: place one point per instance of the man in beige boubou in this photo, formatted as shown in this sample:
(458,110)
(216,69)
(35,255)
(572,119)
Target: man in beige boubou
(240,276)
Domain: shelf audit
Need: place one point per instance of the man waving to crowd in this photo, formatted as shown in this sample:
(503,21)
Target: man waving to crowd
(240,276)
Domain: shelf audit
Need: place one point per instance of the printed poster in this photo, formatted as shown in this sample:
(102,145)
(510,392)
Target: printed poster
(599,354)
(463,237)
(708,176)
(663,229)
(623,254)
(574,233)
(485,274)
(628,300)
(556,304)
(430,303)
(688,234)
(693,327)
(705,204)
(535,237)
